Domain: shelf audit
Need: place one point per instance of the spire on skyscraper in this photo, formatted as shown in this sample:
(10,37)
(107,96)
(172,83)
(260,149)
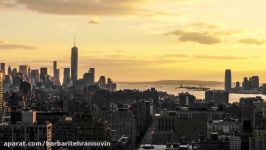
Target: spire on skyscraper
(74,41)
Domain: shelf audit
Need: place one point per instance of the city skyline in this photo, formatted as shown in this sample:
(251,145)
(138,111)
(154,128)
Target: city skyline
(74,63)
(133,74)
(157,40)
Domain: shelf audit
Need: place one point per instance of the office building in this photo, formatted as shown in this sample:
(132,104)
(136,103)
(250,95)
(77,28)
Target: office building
(54,67)
(102,81)
(171,126)
(228,80)
(121,122)
(3,68)
(81,128)
(237,85)
(217,97)
(9,71)
(214,144)
(14,72)
(254,82)
(43,74)
(35,76)
(186,99)
(57,77)
(89,78)
(246,84)
(258,140)
(52,117)
(24,127)
(26,132)
(56,74)
(92,73)
(224,127)
(29,73)
(66,79)
(264,88)
(23,69)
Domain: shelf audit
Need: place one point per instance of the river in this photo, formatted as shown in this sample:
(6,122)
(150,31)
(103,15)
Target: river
(172,89)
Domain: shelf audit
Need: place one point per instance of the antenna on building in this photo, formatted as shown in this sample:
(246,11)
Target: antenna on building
(74,40)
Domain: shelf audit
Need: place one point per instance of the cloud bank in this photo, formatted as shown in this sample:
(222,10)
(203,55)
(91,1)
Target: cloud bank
(81,7)
(253,41)
(5,45)
(203,38)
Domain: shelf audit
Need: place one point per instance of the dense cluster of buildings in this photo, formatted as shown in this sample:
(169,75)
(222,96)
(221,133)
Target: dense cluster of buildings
(249,85)
(35,107)
(187,123)
(40,78)
(77,115)
(130,119)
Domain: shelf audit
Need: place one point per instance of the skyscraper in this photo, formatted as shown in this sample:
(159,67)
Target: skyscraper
(55,67)
(29,73)
(237,85)
(1,97)
(66,76)
(14,72)
(35,76)
(9,70)
(92,72)
(245,84)
(56,73)
(43,74)
(217,96)
(254,82)
(3,68)
(57,77)
(102,81)
(23,69)
(228,80)
(74,62)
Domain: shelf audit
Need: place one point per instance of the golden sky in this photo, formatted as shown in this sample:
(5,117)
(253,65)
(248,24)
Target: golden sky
(138,40)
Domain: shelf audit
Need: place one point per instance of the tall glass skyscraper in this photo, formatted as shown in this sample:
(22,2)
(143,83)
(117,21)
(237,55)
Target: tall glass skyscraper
(56,73)
(54,68)
(228,80)
(66,76)
(74,63)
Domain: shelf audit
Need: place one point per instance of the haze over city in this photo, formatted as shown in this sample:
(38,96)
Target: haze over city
(141,40)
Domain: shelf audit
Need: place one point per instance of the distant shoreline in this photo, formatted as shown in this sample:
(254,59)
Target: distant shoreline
(179,82)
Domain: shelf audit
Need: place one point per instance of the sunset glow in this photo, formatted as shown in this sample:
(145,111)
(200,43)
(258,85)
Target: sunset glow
(140,40)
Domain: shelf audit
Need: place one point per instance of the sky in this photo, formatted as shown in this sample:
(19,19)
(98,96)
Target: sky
(138,40)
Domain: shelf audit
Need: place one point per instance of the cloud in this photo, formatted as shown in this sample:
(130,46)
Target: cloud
(228,32)
(5,45)
(215,29)
(82,7)
(7,3)
(225,57)
(205,25)
(204,56)
(202,38)
(203,33)
(94,21)
(174,56)
(88,7)
(252,41)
